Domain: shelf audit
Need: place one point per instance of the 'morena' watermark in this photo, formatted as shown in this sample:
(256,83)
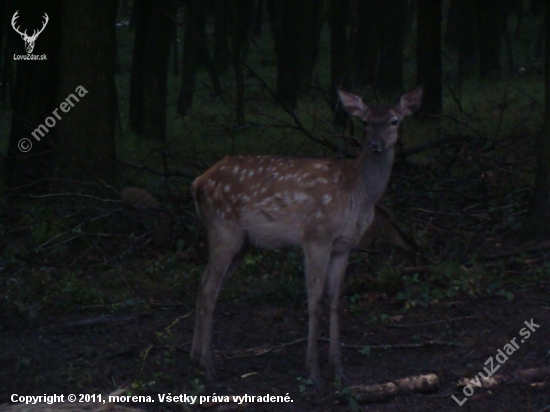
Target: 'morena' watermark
(501,357)
(25,144)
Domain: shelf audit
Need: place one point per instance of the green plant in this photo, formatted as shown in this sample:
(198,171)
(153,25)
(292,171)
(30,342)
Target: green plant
(303,385)
(445,281)
(351,398)
(495,289)
(138,386)
(196,387)
(366,350)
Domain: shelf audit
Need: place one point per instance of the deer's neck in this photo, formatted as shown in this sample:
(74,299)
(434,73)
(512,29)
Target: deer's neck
(374,173)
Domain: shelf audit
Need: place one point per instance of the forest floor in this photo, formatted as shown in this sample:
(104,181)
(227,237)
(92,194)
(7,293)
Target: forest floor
(148,353)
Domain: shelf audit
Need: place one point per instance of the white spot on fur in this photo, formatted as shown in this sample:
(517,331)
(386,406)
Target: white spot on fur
(251,173)
(300,196)
(322,180)
(319,214)
(235,169)
(226,188)
(317,165)
(262,203)
(326,199)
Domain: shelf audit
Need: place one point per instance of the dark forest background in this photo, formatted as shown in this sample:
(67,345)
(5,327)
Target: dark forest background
(98,212)
(173,86)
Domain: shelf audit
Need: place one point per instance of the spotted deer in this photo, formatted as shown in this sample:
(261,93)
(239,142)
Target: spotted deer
(323,205)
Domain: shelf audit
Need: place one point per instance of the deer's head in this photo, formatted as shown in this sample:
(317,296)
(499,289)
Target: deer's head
(381,124)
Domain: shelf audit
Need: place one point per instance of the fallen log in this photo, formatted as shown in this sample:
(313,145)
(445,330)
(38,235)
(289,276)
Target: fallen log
(383,391)
(521,376)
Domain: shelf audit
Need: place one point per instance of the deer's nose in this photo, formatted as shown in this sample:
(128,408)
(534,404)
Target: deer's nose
(376,145)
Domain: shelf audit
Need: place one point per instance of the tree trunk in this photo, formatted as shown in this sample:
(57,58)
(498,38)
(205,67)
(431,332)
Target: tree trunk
(391,53)
(338,56)
(365,42)
(296,26)
(7,44)
(258,18)
(221,35)
(154,31)
(285,23)
(537,6)
(29,155)
(489,24)
(467,35)
(85,144)
(195,52)
(241,27)
(201,48)
(539,217)
(175,48)
(313,22)
(429,55)
(189,56)
(451,33)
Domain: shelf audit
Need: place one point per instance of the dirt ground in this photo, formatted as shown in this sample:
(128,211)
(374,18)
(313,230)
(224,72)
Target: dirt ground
(148,353)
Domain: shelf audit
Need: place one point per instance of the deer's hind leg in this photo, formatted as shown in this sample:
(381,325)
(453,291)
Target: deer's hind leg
(226,252)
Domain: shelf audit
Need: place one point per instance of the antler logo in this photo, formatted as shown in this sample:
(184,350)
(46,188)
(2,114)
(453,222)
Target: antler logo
(29,40)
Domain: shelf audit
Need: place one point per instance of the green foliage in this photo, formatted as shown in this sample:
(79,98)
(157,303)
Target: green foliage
(272,276)
(303,385)
(496,289)
(32,291)
(367,350)
(138,387)
(379,319)
(446,281)
(355,303)
(351,399)
(196,387)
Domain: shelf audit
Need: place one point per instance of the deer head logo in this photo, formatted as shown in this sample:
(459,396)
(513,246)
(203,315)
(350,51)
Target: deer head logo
(29,40)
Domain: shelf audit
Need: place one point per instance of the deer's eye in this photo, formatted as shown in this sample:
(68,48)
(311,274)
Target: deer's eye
(393,122)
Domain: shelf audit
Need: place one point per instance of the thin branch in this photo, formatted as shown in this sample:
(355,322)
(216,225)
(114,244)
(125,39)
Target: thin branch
(435,322)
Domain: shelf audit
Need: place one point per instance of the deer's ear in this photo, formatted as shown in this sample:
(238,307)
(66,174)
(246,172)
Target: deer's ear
(410,101)
(352,104)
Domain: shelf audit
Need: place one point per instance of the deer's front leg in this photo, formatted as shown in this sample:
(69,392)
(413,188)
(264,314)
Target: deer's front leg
(317,258)
(336,275)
